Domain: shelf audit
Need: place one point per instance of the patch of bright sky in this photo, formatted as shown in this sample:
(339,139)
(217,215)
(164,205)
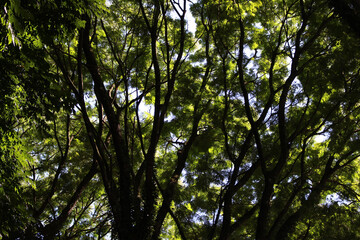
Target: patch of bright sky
(321,137)
(191,25)
(335,198)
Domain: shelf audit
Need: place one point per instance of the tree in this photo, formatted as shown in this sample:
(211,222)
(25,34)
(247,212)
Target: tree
(246,128)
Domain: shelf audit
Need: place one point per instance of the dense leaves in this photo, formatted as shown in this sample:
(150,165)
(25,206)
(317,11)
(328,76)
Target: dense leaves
(123,121)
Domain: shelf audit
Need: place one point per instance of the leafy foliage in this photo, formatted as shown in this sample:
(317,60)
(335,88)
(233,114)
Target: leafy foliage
(119,122)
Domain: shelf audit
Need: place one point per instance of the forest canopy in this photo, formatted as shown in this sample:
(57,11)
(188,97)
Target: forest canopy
(179,119)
